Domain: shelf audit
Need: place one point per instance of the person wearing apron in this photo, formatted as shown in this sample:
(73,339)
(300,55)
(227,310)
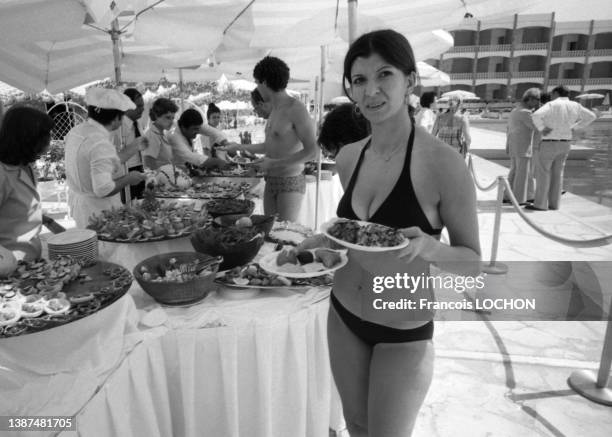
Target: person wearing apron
(94,172)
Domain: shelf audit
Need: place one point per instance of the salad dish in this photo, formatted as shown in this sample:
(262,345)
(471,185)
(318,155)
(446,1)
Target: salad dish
(364,236)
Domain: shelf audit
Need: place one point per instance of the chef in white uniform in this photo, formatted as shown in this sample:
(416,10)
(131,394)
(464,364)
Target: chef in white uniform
(94,170)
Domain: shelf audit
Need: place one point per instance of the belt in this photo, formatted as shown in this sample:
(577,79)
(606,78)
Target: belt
(556,140)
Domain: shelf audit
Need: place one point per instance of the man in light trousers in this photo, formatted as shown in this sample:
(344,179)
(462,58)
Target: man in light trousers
(555,120)
(522,137)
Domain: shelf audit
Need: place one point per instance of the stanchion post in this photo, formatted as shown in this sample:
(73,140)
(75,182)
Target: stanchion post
(493,267)
(586,384)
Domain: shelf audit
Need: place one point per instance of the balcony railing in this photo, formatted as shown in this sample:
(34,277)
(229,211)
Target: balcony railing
(492,75)
(461,76)
(462,49)
(532,46)
(600,81)
(602,52)
(565,81)
(495,48)
(569,54)
(521,74)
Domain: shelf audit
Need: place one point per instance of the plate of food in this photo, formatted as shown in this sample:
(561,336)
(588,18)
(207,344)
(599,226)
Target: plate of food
(253,276)
(292,263)
(364,236)
(43,294)
(148,221)
(205,190)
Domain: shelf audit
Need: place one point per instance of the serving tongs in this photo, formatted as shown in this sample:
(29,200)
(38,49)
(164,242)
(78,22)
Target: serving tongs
(198,267)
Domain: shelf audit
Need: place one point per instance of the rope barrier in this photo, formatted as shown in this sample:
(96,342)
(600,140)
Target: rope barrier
(473,172)
(595,242)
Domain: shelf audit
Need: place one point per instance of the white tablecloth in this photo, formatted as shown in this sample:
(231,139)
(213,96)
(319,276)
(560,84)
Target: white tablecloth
(265,372)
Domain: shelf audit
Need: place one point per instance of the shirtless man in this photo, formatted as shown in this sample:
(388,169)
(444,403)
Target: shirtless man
(290,141)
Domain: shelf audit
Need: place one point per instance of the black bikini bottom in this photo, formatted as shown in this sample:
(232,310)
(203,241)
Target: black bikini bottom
(373,333)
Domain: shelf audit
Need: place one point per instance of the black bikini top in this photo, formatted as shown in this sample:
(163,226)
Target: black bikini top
(400,209)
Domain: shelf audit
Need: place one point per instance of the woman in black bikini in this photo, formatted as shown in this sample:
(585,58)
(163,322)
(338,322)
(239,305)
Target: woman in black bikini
(401,177)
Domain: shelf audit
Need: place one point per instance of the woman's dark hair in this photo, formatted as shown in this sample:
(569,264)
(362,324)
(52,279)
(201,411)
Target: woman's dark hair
(132,93)
(103,116)
(343,125)
(212,109)
(427,99)
(273,71)
(390,45)
(190,117)
(24,135)
(256,96)
(162,106)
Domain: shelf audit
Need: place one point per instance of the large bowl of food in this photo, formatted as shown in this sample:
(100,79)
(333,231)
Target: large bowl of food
(178,278)
(262,223)
(237,246)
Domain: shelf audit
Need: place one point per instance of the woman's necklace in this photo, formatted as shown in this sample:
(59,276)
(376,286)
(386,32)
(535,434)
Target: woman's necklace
(390,155)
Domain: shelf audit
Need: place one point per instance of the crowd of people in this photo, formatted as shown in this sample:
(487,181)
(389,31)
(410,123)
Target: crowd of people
(397,170)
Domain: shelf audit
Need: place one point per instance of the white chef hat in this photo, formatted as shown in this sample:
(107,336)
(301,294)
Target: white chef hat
(104,98)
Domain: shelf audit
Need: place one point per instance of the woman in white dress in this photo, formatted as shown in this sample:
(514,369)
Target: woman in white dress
(94,170)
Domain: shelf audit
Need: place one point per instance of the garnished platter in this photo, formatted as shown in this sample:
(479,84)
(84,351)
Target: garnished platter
(148,221)
(43,294)
(253,276)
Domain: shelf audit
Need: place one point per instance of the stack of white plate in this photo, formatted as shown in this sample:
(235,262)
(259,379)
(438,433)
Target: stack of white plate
(80,244)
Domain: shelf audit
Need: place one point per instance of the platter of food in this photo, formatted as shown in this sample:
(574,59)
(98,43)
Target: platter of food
(292,263)
(230,206)
(253,276)
(148,221)
(288,233)
(205,190)
(364,236)
(43,294)
(234,170)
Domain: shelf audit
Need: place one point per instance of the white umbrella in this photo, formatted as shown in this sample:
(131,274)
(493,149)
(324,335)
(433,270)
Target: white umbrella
(340,100)
(590,96)
(431,76)
(461,94)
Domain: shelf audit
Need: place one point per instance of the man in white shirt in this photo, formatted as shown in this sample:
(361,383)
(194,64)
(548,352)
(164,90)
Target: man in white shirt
(129,132)
(556,121)
(190,124)
(94,168)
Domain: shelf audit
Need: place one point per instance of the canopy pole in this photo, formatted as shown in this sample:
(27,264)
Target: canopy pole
(352,20)
(319,120)
(115,34)
(180,71)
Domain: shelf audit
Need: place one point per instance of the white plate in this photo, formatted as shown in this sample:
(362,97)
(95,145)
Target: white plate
(329,224)
(268,263)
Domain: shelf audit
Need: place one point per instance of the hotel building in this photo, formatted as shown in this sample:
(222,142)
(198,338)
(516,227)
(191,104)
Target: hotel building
(499,59)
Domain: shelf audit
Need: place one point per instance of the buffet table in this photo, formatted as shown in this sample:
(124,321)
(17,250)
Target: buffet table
(222,367)
(256,367)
